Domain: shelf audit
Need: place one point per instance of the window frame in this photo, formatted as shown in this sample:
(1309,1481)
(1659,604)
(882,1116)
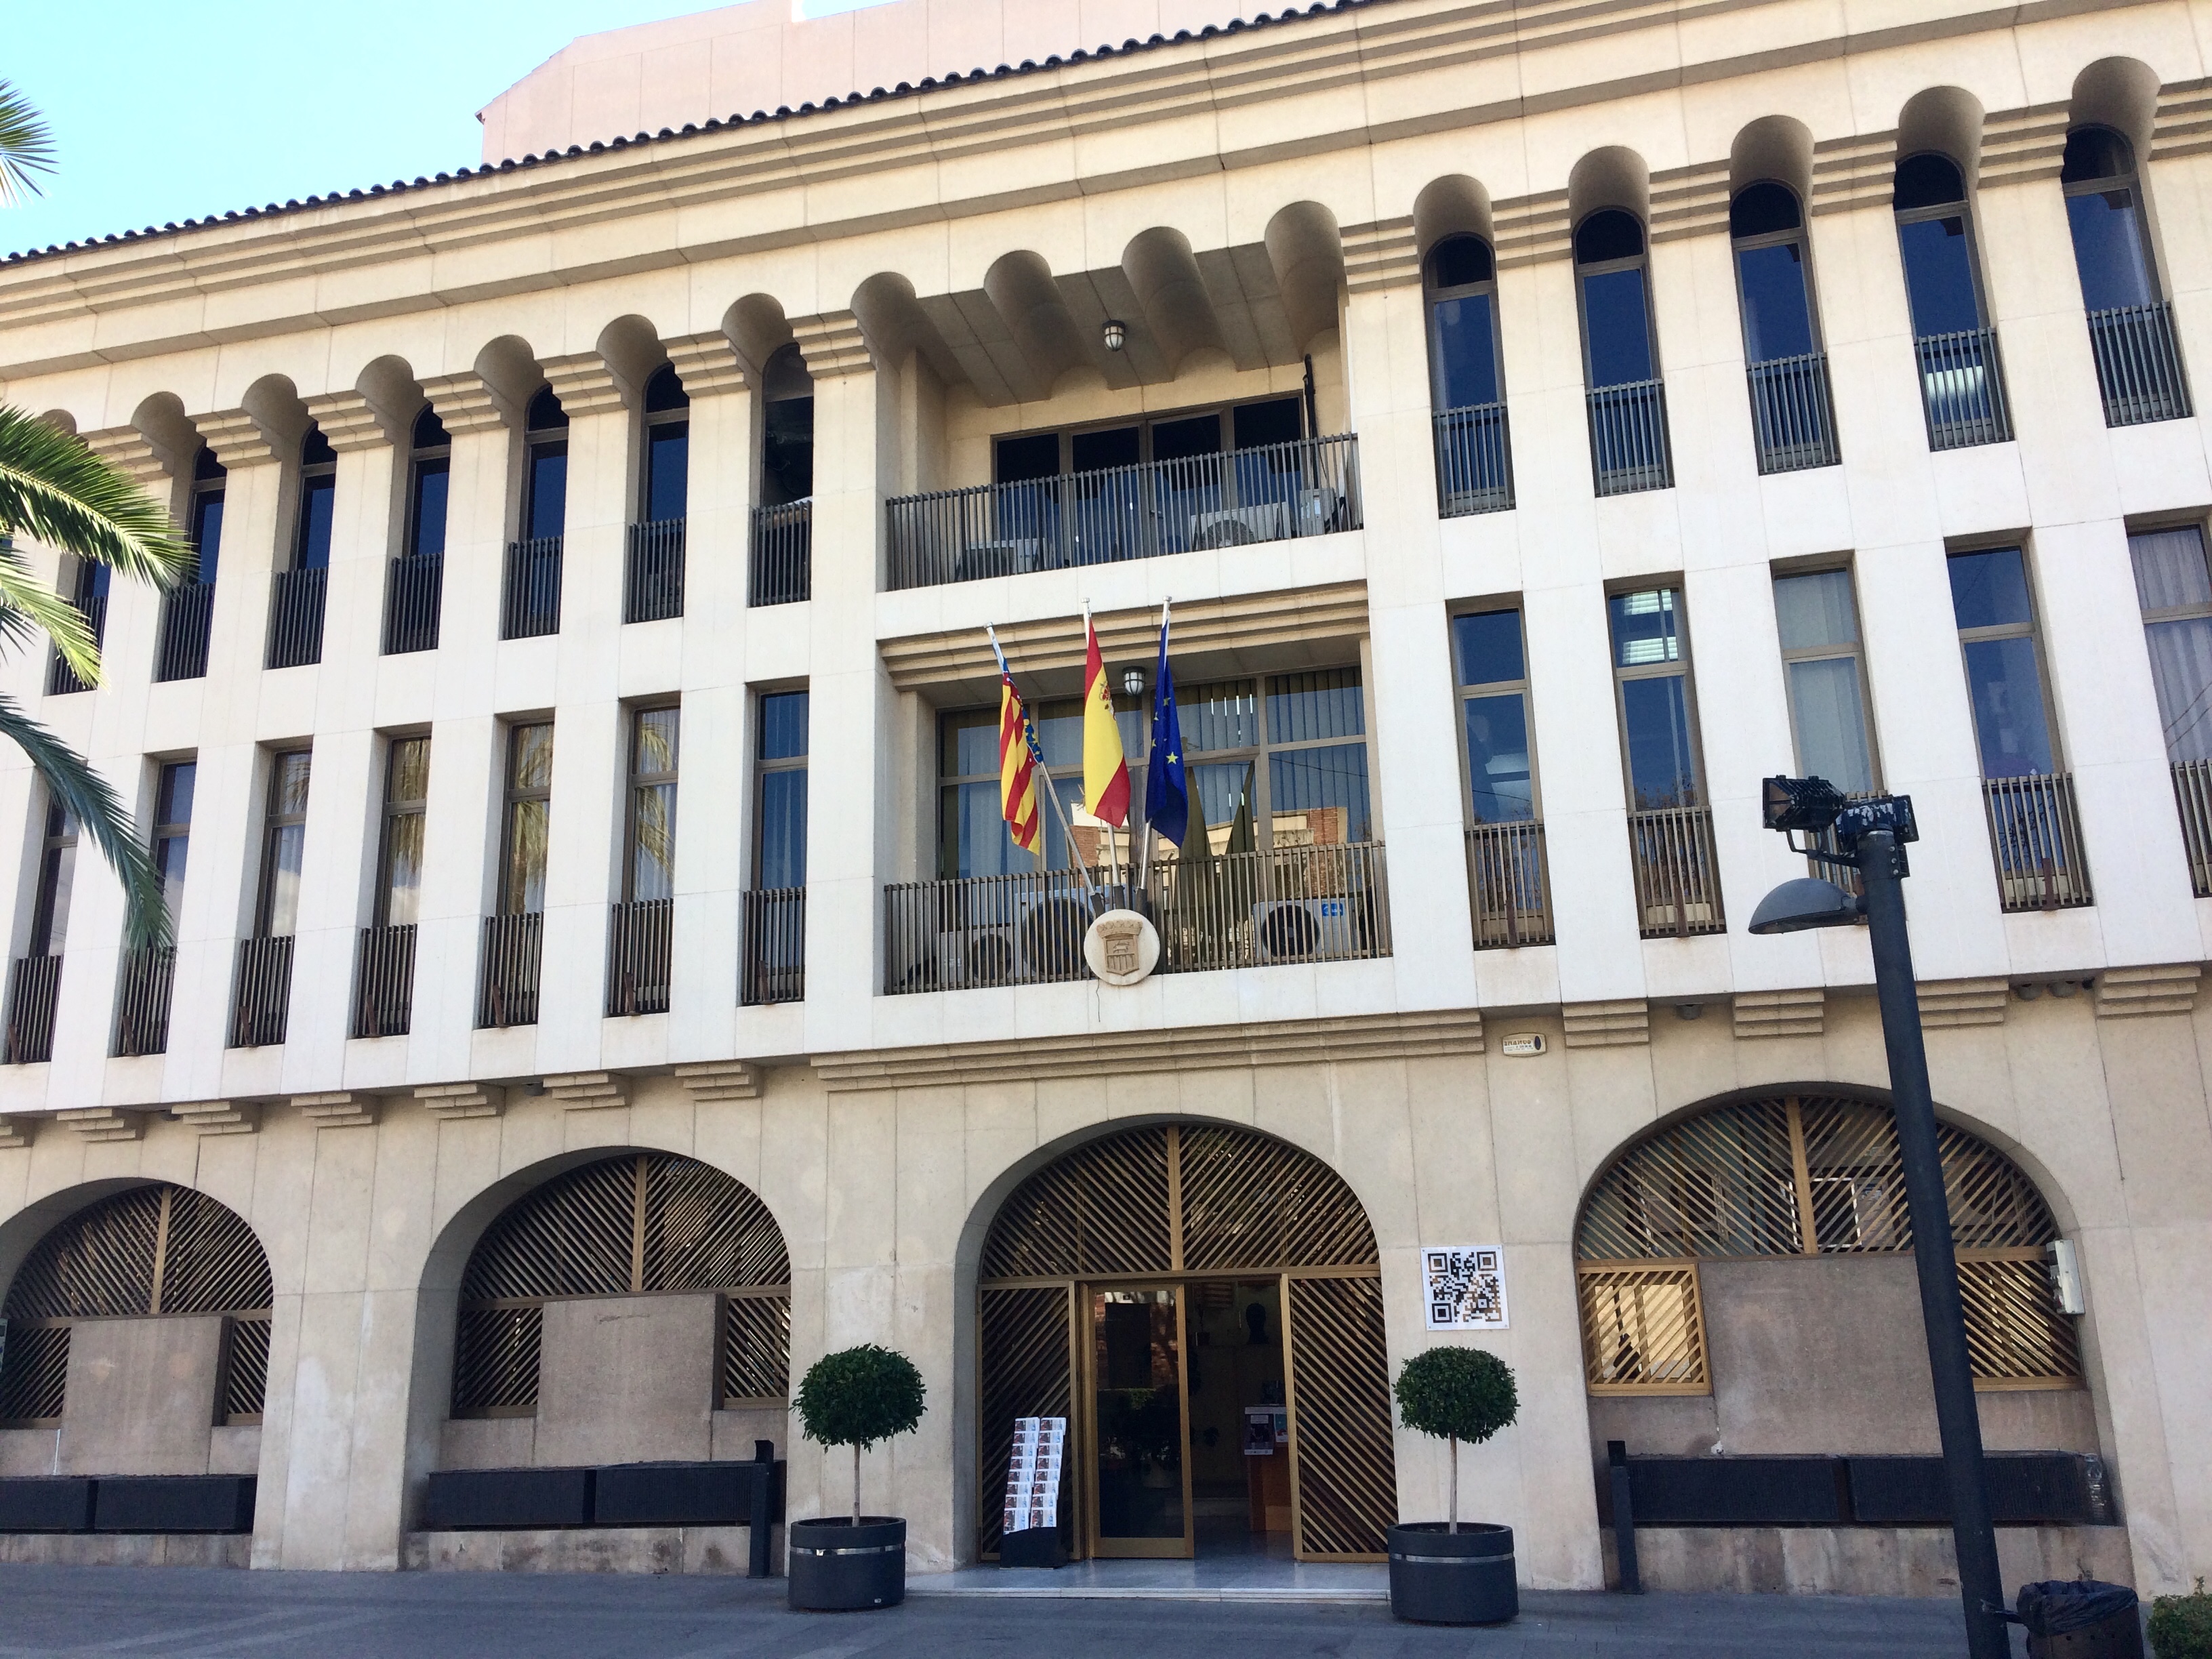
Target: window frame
(763,766)
(1638,261)
(513,795)
(60,837)
(637,782)
(2030,631)
(313,473)
(166,831)
(542,441)
(1683,668)
(1145,420)
(211,480)
(1962,209)
(1856,651)
(394,808)
(1796,236)
(2132,181)
(1434,295)
(649,420)
(2172,613)
(274,821)
(420,459)
(1466,691)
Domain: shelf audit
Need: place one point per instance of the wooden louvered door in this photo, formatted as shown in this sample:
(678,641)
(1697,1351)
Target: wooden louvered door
(1344,1483)
(1028,1337)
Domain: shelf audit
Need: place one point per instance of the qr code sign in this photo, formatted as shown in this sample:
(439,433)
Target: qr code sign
(1465,1288)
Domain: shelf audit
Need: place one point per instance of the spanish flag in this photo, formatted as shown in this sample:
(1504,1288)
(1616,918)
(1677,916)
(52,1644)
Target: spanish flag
(1105,767)
(1018,797)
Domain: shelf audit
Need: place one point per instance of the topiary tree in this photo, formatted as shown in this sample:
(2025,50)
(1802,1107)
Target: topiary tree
(857,1397)
(1458,1394)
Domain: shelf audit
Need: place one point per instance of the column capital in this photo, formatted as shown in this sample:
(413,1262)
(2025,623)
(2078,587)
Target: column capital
(1691,201)
(1382,254)
(349,422)
(465,403)
(219,1117)
(832,344)
(584,383)
(129,451)
(236,438)
(1857,171)
(1531,229)
(706,364)
(2023,146)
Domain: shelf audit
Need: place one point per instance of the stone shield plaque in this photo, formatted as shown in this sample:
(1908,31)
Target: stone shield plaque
(1122,948)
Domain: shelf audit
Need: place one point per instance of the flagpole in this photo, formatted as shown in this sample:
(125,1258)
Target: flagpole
(1145,867)
(1067,830)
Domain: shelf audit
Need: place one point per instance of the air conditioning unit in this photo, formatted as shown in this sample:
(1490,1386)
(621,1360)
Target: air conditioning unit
(1240,526)
(1317,511)
(968,957)
(1304,930)
(1009,557)
(1050,937)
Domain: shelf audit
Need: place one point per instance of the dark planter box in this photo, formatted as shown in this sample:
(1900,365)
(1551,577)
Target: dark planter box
(2026,1488)
(472,1500)
(1736,1492)
(833,1567)
(59,1504)
(1439,1577)
(173,1503)
(686,1495)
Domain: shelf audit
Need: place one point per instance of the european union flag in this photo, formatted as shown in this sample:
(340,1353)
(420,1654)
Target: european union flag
(1167,791)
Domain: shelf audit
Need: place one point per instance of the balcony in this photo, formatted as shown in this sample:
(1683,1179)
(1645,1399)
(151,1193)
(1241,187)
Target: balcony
(652,571)
(1474,461)
(142,1000)
(774,966)
(2138,364)
(2192,796)
(1678,877)
(1270,493)
(530,604)
(2035,836)
(1628,438)
(1793,418)
(1962,389)
(262,992)
(414,596)
(384,981)
(638,956)
(295,617)
(1293,904)
(187,611)
(61,678)
(1509,886)
(34,985)
(507,986)
(782,570)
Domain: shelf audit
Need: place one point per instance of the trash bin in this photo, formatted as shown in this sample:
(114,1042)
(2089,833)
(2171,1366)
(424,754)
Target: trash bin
(2080,1620)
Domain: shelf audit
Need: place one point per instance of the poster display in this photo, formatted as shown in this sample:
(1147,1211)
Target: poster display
(1033,1473)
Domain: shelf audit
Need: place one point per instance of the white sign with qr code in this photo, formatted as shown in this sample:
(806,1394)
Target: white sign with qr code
(1466,1288)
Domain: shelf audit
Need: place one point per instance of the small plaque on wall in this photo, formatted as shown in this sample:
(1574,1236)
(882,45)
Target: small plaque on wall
(1465,1285)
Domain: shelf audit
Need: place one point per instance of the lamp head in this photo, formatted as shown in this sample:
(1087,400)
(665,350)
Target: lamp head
(1801,803)
(1808,902)
(1115,333)
(1133,682)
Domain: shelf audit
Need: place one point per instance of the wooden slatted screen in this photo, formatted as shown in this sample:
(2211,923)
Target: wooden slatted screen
(245,1380)
(1248,1200)
(1101,1209)
(1345,1468)
(1026,1372)
(1643,1332)
(756,1349)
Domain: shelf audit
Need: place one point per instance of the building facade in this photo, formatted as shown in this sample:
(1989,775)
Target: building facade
(1546,421)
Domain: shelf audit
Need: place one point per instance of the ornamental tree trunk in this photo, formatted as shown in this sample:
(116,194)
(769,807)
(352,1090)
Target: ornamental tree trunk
(1455,1483)
(856,1483)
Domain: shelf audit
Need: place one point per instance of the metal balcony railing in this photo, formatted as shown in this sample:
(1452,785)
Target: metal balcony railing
(61,678)
(2035,836)
(507,986)
(775,969)
(1509,884)
(652,571)
(2192,797)
(1291,904)
(142,999)
(1962,388)
(782,570)
(1474,461)
(1793,418)
(1270,493)
(1678,876)
(262,992)
(414,597)
(295,617)
(531,605)
(34,985)
(2139,364)
(638,956)
(384,981)
(187,611)
(1629,449)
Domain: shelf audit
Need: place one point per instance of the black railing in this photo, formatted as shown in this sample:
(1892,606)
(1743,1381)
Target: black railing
(652,571)
(507,986)
(775,966)
(782,571)
(1509,885)
(1678,875)
(1962,388)
(1793,418)
(1629,449)
(531,603)
(2035,836)
(142,999)
(262,992)
(2192,797)
(181,654)
(384,981)
(414,597)
(638,956)
(35,985)
(2139,364)
(295,617)
(61,678)
(1474,461)
(1270,493)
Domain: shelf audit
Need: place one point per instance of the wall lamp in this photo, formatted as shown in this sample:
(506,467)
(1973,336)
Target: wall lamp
(1116,333)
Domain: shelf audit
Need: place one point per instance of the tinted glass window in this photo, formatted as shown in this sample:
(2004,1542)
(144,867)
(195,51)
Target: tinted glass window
(1279,420)
(1777,319)
(207,532)
(1497,759)
(1034,455)
(1097,452)
(1459,260)
(1939,276)
(1467,352)
(427,519)
(548,490)
(2108,249)
(783,725)
(1990,590)
(667,468)
(1175,440)
(1489,647)
(1619,327)
(317,498)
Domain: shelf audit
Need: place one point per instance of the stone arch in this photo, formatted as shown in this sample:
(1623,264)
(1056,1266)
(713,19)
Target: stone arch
(1307,251)
(1774,147)
(1454,205)
(1945,121)
(2119,93)
(1614,177)
(632,350)
(390,387)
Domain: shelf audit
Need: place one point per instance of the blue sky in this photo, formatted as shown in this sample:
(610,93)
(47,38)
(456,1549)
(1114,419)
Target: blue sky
(166,111)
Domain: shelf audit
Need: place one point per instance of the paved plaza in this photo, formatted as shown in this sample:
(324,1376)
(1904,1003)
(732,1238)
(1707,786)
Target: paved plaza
(183,1613)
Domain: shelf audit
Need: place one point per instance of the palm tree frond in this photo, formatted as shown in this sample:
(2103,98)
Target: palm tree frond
(91,801)
(29,599)
(54,488)
(26,146)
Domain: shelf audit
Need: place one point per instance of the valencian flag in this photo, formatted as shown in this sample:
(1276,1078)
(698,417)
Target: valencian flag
(1105,767)
(1018,760)
(1167,788)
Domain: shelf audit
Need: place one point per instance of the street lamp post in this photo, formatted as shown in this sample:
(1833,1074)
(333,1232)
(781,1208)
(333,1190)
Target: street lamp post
(1869,836)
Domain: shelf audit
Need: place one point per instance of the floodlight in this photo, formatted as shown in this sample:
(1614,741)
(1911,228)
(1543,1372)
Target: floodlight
(1808,902)
(1801,803)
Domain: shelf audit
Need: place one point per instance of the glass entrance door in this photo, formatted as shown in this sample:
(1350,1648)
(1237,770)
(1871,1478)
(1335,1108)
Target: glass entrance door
(1139,1423)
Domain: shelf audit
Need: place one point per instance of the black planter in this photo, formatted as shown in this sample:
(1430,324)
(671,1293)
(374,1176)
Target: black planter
(1438,1576)
(837,1567)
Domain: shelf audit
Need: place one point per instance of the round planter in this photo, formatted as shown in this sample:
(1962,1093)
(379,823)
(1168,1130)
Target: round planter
(1438,1576)
(834,1567)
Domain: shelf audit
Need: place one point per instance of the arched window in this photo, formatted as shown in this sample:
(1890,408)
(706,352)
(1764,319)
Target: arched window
(295,605)
(1621,363)
(2131,328)
(1962,382)
(181,652)
(318,487)
(1474,463)
(1791,416)
(417,577)
(152,1252)
(531,603)
(787,432)
(633,1225)
(652,581)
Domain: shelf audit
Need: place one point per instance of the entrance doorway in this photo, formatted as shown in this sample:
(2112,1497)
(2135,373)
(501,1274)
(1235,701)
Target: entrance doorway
(1204,1305)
